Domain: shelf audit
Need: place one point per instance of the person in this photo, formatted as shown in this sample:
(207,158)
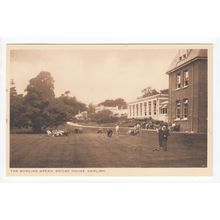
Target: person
(109,132)
(117,129)
(138,128)
(164,137)
(49,133)
(159,131)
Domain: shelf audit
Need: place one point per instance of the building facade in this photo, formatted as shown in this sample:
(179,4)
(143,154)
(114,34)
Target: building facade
(188,90)
(153,106)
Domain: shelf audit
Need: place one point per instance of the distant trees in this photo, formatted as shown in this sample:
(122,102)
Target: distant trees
(112,103)
(148,91)
(104,116)
(39,108)
(91,110)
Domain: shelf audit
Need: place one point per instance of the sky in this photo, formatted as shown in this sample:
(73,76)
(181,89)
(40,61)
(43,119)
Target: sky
(94,74)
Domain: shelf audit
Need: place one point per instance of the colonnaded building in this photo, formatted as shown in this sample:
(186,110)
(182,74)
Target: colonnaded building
(153,106)
(188,90)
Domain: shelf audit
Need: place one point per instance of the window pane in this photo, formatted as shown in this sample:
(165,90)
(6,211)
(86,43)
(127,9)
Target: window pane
(178,80)
(155,107)
(185,108)
(186,78)
(178,108)
(149,107)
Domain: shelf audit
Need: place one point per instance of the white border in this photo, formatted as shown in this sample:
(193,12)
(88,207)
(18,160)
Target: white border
(216,107)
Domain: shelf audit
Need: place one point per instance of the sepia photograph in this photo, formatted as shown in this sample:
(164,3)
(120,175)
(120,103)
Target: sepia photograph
(109,109)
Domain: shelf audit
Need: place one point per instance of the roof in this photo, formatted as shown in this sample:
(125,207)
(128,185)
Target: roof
(159,95)
(186,56)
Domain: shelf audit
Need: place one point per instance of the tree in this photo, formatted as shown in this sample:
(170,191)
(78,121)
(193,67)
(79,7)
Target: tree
(74,105)
(40,92)
(120,103)
(112,103)
(104,116)
(91,110)
(17,108)
(39,108)
(148,91)
(40,88)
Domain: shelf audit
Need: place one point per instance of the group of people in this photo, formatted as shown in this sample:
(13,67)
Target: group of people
(135,130)
(57,133)
(162,130)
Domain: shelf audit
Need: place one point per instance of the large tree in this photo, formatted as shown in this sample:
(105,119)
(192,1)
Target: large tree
(39,107)
(39,94)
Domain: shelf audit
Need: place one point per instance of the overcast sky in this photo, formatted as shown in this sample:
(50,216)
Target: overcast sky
(94,74)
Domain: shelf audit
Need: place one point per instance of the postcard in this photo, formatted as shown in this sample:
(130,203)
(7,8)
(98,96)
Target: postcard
(109,110)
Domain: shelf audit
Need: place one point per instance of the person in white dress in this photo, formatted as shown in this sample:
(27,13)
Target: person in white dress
(117,129)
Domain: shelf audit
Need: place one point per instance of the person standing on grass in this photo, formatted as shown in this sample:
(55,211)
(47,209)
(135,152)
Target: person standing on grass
(164,137)
(159,131)
(117,129)
(109,132)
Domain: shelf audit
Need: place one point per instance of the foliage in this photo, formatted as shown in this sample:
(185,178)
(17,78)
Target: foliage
(104,116)
(17,109)
(39,108)
(91,110)
(148,91)
(112,103)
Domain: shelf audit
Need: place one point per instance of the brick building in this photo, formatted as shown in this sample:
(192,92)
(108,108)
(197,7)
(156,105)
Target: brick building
(188,90)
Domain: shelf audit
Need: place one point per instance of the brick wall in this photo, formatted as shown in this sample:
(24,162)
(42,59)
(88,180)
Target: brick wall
(196,93)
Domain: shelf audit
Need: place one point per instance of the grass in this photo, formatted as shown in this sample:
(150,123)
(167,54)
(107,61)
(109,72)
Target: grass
(96,150)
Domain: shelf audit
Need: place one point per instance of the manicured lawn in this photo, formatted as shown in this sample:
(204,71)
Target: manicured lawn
(96,150)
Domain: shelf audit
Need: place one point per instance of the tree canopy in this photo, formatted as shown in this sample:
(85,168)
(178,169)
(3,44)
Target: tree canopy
(148,91)
(39,108)
(112,103)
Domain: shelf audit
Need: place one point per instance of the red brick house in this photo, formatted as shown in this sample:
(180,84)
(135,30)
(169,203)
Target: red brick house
(188,90)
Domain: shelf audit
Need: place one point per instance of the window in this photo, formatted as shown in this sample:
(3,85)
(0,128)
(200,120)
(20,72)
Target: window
(185,108)
(186,78)
(141,109)
(178,109)
(149,107)
(178,80)
(155,107)
(133,110)
(145,108)
(137,109)
(183,54)
(164,111)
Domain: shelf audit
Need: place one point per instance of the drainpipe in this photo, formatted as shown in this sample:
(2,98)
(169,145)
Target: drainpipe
(192,97)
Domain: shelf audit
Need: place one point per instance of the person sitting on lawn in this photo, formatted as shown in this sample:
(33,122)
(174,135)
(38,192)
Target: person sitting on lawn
(49,133)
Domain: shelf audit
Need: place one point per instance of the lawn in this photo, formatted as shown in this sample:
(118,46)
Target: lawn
(90,149)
